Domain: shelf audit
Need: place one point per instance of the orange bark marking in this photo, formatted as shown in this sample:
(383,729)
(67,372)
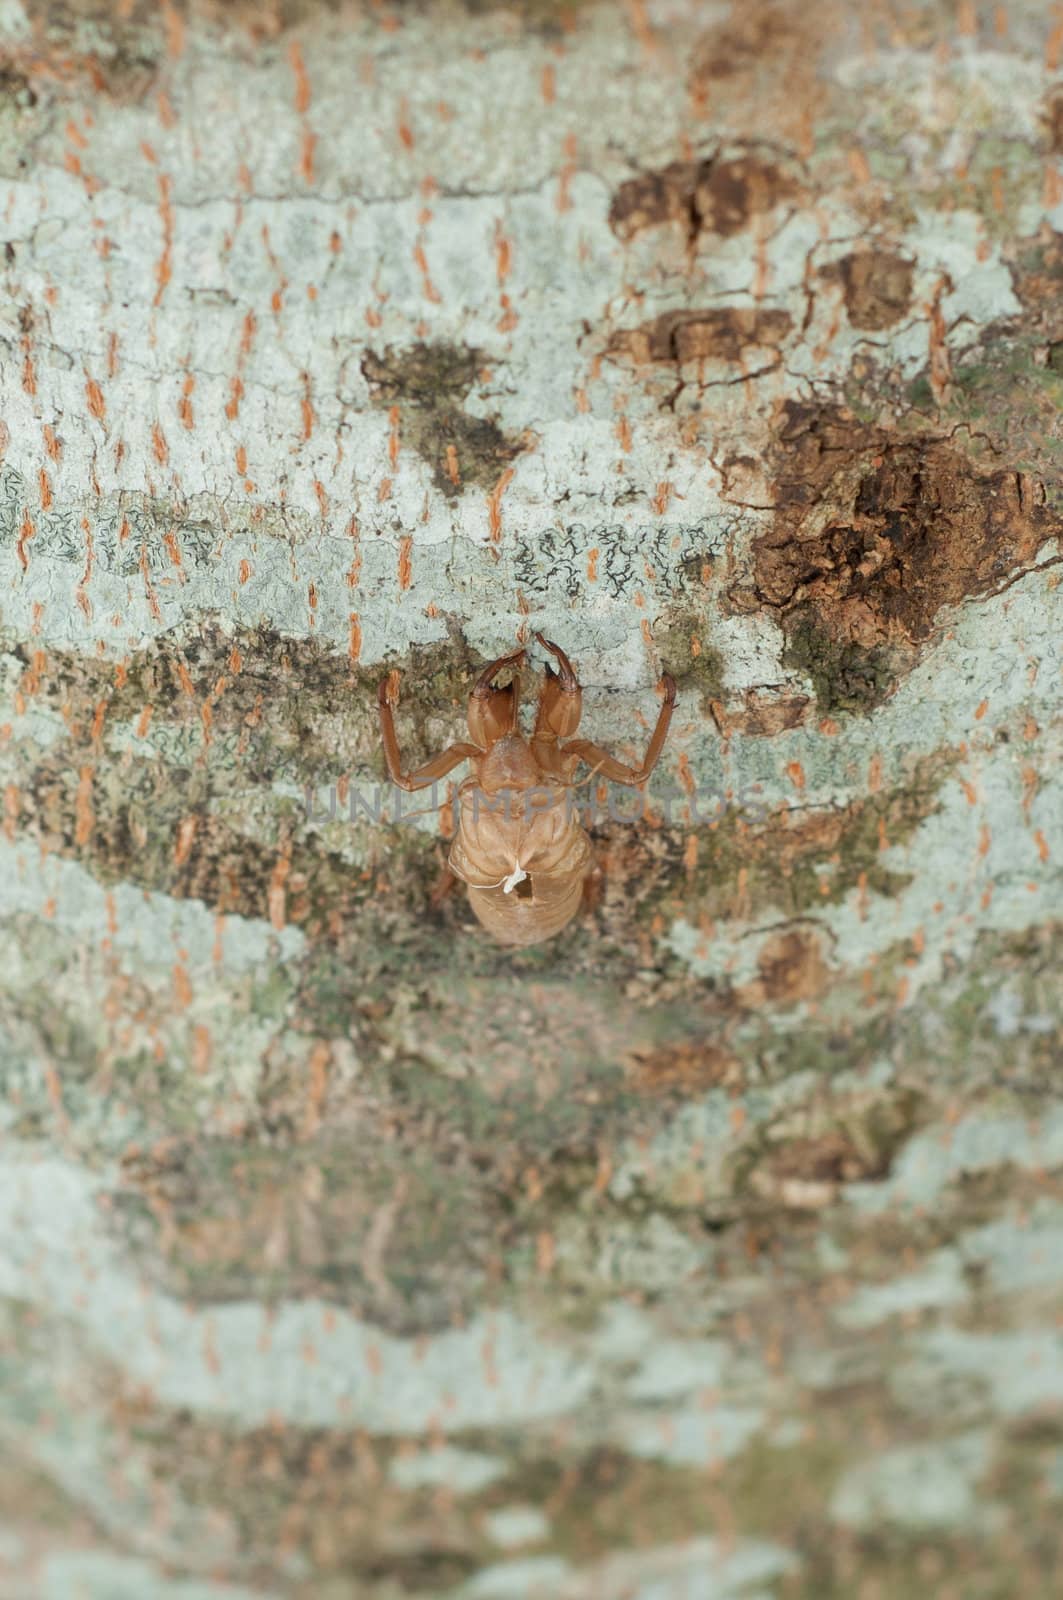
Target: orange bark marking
(302,81)
(421,261)
(503,254)
(12,807)
(565,176)
(245,570)
(186,834)
(858,165)
(405,563)
(25,534)
(1054,46)
(247,336)
(307,147)
(173,549)
(83,812)
(982,708)
(354,638)
(320,1057)
(202,1049)
(494,504)
(1052,188)
(1042,844)
(94,395)
(184,405)
(796,774)
(277,897)
(174,24)
(165,263)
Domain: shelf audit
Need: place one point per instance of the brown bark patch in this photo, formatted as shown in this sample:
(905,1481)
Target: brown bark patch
(721,333)
(729,194)
(806,1160)
(753,37)
(790,968)
(689,1065)
(761,714)
(877,285)
(1037,277)
(873,534)
(428,383)
(76,44)
(654,198)
(760,67)
(712,196)
(805,1174)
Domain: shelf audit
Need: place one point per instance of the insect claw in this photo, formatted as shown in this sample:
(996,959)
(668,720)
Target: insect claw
(567,674)
(668,685)
(484,682)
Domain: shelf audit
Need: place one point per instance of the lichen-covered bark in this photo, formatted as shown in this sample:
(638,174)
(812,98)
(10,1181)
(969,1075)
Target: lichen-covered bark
(713,1248)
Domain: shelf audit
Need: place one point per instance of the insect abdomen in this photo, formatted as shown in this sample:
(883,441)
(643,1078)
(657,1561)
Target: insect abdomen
(515,919)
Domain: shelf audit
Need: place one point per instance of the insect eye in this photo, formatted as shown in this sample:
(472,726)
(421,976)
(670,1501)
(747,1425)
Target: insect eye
(523,890)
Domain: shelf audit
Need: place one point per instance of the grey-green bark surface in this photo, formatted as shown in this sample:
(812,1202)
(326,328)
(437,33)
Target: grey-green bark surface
(715,1248)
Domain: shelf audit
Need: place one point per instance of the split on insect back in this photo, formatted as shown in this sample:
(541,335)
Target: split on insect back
(519,846)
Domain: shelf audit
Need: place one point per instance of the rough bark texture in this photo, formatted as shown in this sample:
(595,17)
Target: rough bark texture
(712,1250)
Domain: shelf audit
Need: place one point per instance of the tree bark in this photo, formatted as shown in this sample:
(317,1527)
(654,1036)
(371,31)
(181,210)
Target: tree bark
(714,1246)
